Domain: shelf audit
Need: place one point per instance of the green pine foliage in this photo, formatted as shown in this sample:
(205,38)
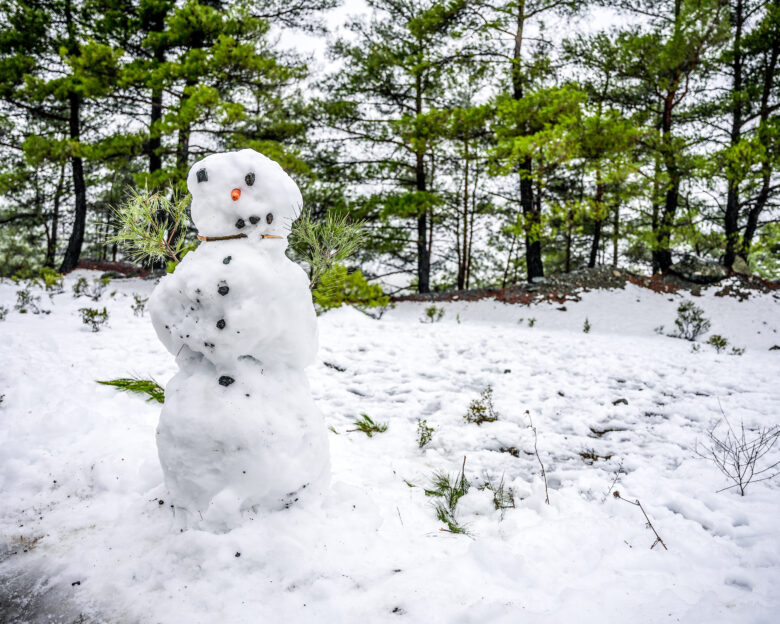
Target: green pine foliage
(152,226)
(481,410)
(149,387)
(366,424)
(338,286)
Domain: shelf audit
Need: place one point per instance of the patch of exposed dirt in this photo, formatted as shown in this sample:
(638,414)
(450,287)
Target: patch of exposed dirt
(569,286)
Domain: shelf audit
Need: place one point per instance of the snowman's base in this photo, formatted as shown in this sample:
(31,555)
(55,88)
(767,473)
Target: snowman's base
(228,451)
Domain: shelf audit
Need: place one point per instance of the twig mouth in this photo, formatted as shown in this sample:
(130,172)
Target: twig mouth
(206,239)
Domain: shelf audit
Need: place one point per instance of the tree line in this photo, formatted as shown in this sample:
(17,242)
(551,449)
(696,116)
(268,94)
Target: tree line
(481,142)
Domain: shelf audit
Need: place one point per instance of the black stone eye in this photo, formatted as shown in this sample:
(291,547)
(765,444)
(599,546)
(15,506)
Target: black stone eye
(269,218)
(202,175)
(249,179)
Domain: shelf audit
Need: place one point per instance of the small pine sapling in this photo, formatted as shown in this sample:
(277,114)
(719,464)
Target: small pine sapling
(424,433)
(140,304)
(448,493)
(94,318)
(586,326)
(531,322)
(26,301)
(137,385)
(366,424)
(433,314)
(718,342)
(690,321)
(503,497)
(481,410)
(80,288)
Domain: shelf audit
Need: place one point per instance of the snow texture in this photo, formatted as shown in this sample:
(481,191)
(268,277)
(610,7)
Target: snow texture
(239,431)
(86,523)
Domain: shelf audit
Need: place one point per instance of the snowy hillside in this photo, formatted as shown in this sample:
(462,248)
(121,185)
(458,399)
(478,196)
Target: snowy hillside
(87,534)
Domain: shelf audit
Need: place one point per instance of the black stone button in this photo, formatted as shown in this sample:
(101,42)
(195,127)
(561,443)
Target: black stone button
(240,223)
(227,260)
(225,380)
(223,289)
(254,220)
(269,218)
(221,324)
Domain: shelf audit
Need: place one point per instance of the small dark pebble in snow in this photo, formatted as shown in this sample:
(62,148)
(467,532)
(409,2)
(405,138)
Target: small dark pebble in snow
(74,583)
(507,371)
(774,348)
(227,260)
(240,223)
(223,289)
(238,554)
(253,219)
(161,502)
(225,380)
(221,324)
(619,401)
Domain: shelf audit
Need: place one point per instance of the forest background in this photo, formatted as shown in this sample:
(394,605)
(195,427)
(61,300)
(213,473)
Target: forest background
(482,143)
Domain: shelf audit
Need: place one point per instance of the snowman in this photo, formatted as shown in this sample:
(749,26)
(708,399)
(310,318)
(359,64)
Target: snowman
(239,433)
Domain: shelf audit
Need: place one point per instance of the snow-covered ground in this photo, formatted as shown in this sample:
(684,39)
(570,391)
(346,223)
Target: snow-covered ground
(85,529)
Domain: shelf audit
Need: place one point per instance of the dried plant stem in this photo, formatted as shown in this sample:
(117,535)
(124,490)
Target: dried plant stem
(649,524)
(536,452)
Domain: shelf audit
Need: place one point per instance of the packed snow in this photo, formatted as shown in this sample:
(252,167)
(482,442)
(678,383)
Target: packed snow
(239,432)
(88,530)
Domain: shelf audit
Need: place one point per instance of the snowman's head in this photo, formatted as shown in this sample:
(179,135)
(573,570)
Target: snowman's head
(242,193)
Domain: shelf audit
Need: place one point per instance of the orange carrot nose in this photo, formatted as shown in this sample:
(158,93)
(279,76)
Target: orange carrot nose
(235,194)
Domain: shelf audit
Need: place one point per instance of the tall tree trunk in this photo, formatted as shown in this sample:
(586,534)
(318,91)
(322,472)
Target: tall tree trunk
(731,221)
(531,216)
(423,251)
(594,247)
(615,235)
(463,259)
(672,197)
(51,243)
(766,167)
(73,250)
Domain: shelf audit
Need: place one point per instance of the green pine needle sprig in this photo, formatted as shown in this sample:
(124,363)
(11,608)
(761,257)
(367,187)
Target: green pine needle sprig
(152,225)
(137,385)
(325,242)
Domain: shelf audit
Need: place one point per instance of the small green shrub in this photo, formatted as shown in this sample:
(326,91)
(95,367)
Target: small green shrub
(531,322)
(140,304)
(586,326)
(503,497)
(718,341)
(52,281)
(424,433)
(368,426)
(449,492)
(94,318)
(737,350)
(3,313)
(433,314)
(26,301)
(337,287)
(481,410)
(149,387)
(690,321)
(80,288)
